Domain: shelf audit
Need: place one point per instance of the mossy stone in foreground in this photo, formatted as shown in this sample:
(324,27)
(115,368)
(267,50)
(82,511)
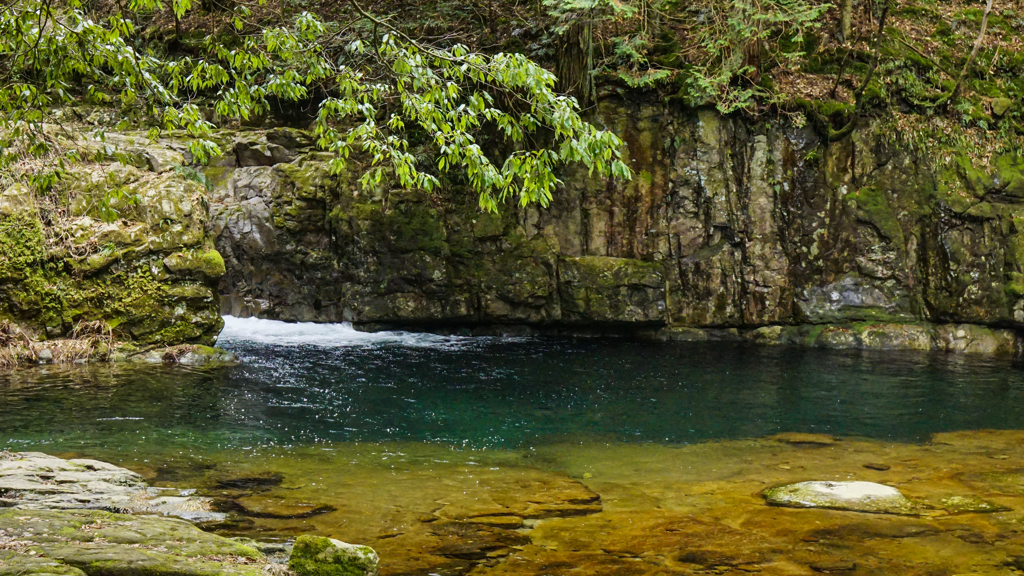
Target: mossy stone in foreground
(70,542)
(319,556)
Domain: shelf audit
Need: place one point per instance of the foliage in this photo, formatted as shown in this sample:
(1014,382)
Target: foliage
(414,111)
(115,202)
(567,11)
(734,41)
(189,173)
(727,43)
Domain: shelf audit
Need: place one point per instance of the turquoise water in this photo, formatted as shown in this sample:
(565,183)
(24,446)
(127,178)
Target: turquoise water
(304,385)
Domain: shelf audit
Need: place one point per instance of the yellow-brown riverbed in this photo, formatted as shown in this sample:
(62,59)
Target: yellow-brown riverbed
(614,508)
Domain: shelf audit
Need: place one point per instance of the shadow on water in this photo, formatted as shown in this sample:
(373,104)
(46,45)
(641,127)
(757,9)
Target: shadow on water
(347,386)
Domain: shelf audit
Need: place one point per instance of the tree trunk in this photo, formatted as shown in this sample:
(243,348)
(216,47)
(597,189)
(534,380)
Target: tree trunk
(974,53)
(575,65)
(846,27)
(835,136)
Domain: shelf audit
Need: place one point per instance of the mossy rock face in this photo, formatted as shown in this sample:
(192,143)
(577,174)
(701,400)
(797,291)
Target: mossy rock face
(850,299)
(896,337)
(1008,176)
(728,225)
(958,338)
(204,263)
(148,275)
(16,199)
(319,556)
(601,289)
(21,243)
(968,338)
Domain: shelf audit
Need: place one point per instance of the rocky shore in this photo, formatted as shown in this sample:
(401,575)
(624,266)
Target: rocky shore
(83,517)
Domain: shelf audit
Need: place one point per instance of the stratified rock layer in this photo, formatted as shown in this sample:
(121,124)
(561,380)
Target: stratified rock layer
(37,481)
(726,225)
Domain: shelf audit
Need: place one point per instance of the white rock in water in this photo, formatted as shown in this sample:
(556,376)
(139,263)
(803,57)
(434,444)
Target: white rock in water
(854,496)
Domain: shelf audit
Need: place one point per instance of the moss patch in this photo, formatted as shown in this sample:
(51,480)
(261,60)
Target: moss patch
(319,556)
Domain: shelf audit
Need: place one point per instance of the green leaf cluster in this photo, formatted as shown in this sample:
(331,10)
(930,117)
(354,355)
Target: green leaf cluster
(413,112)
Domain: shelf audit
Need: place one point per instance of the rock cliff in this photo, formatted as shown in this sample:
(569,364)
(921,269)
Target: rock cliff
(120,253)
(729,228)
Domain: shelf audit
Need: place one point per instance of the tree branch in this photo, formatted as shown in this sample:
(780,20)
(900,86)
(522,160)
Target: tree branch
(974,55)
(833,135)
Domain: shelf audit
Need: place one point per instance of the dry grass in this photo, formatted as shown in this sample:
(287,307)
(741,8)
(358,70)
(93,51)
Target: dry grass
(87,341)
(15,345)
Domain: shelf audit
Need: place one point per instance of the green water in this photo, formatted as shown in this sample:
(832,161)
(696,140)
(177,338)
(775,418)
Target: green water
(540,457)
(307,386)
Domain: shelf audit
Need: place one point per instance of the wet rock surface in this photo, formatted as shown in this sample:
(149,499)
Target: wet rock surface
(37,481)
(55,519)
(452,530)
(96,543)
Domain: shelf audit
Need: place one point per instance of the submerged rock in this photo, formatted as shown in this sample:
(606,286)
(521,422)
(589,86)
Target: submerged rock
(853,496)
(970,504)
(319,556)
(804,438)
(37,481)
(880,467)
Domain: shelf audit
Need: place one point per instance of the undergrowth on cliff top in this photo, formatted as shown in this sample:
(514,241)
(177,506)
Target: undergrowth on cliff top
(380,92)
(427,91)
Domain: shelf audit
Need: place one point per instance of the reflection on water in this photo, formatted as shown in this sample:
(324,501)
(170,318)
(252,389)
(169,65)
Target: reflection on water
(497,456)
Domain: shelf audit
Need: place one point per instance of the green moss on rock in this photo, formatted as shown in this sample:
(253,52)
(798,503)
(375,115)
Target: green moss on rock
(205,263)
(875,206)
(105,544)
(602,289)
(319,556)
(21,244)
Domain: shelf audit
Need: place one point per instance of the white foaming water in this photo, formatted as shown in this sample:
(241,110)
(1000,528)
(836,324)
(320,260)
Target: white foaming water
(328,335)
